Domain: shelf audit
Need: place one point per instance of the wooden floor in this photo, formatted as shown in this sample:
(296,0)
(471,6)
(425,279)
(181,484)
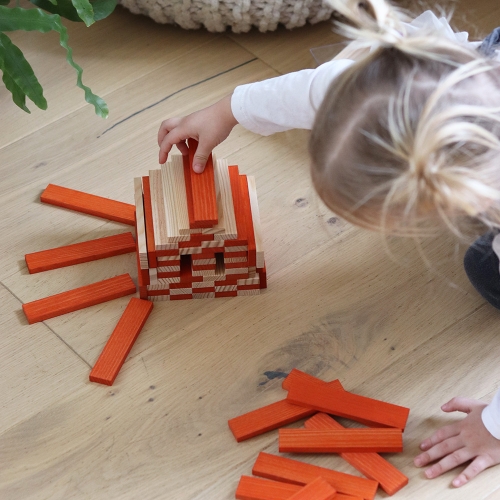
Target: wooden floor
(338,305)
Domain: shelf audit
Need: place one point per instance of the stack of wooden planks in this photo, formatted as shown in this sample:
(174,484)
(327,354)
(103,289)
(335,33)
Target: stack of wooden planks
(284,478)
(198,235)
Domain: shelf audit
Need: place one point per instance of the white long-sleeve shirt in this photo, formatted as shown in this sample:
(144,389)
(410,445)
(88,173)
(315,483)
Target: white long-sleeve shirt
(292,100)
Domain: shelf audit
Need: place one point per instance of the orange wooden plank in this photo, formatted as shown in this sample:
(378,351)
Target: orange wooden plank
(371,465)
(299,377)
(77,253)
(247,210)
(279,468)
(272,416)
(266,419)
(203,192)
(383,440)
(239,213)
(121,341)
(255,488)
(148,216)
(314,393)
(79,298)
(318,489)
(263,277)
(89,204)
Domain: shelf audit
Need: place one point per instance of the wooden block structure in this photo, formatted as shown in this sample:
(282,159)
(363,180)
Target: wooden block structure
(198,235)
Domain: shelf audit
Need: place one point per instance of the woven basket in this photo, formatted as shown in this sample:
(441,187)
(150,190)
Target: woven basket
(239,15)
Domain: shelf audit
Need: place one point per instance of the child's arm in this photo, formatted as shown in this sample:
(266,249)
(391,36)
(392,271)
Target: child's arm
(473,438)
(209,126)
(275,105)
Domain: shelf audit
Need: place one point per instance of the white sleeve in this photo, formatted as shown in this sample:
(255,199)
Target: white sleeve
(285,102)
(491,416)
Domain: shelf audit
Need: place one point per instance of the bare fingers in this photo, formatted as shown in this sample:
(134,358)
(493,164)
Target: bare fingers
(438,437)
(481,463)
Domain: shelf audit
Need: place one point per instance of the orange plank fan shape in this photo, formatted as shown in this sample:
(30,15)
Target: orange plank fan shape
(197,236)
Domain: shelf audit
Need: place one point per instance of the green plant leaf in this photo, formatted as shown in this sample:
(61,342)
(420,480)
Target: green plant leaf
(85,11)
(103,8)
(4,2)
(18,96)
(65,8)
(18,69)
(38,20)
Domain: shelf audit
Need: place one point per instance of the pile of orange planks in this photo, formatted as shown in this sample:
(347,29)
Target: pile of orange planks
(198,235)
(282,478)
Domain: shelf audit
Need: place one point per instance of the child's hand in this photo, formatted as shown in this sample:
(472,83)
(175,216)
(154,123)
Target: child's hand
(457,443)
(209,126)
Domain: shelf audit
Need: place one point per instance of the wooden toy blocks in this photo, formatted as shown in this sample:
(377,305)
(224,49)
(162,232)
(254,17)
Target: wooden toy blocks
(121,341)
(207,224)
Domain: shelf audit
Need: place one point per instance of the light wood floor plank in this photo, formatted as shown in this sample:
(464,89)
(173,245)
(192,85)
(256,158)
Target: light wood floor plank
(112,53)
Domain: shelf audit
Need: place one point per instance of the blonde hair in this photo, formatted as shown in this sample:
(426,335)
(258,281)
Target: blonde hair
(408,138)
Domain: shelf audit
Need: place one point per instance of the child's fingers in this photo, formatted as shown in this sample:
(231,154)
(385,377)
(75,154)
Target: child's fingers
(450,461)
(182,147)
(174,137)
(200,158)
(464,405)
(440,435)
(165,127)
(439,451)
(478,465)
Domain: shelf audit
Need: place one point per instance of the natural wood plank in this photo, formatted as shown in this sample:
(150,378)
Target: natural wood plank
(140,223)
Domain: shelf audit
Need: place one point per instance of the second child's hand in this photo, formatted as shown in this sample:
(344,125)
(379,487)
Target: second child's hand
(460,442)
(209,126)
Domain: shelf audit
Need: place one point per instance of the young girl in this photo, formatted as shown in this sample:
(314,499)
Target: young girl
(405,138)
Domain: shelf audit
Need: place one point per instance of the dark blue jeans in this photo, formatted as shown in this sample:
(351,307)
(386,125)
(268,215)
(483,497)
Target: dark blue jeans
(481,265)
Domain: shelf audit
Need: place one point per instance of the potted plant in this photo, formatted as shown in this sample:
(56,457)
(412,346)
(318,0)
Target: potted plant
(17,74)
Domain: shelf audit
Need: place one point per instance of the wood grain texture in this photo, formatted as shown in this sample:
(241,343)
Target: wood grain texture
(247,211)
(79,298)
(292,471)
(225,201)
(371,465)
(257,227)
(121,341)
(318,489)
(337,305)
(255,488)
(78,253)
(140,224)
(149,224)
(89,204)
(266,418)
(318,395)
(203,189)
(175,199)
(340,440)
